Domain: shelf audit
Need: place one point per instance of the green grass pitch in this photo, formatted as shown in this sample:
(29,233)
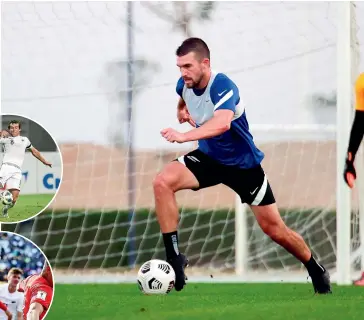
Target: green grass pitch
(207,302)
(27,206)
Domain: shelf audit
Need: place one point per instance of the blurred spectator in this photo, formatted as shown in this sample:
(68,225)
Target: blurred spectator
(15,252)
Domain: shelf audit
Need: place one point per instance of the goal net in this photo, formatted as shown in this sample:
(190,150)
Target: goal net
(66,65)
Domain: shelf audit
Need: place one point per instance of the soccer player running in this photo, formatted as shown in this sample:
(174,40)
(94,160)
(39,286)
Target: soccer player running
(226,154)
(4,308)
(356,136)
(38,293)
(11,297)
(15,146)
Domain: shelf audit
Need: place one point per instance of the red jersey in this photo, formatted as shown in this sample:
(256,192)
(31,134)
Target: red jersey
(36,289)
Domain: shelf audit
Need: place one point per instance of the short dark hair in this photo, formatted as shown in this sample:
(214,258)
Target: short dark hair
(14,122)
(16,271)
(195,45)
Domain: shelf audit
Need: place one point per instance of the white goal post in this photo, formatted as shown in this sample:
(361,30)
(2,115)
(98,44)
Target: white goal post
(77,59)
(344,119)
(347,71)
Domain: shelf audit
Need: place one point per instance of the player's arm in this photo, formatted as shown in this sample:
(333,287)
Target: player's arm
(356,133)
(3,306)
(181,106)
(40,302)
(5,309)
(20,287)
(217,125)
(224,97)
(182,111)
(4,134)
(35,310)
(38,155)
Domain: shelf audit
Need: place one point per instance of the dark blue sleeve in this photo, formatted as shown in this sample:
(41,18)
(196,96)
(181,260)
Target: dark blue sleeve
(224,93)
(179,87)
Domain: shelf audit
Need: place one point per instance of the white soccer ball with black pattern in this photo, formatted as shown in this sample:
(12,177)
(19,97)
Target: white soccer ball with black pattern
(6,197)
(156,277)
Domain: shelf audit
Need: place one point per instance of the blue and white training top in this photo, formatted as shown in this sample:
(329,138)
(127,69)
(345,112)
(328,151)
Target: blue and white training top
(234,147)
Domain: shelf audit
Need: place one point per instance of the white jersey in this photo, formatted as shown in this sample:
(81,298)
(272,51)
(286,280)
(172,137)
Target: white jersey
(14,302)
(14,150)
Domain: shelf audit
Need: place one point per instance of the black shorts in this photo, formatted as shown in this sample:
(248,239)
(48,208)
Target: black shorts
(250,184)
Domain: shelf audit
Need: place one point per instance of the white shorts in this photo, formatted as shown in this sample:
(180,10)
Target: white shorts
(11,176)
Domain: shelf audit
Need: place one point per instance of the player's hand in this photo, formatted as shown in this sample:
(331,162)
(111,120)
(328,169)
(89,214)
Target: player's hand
(48,164)
(172,135)
(19,287)
(349,171)
(4,134)
(10,316)
(184,116)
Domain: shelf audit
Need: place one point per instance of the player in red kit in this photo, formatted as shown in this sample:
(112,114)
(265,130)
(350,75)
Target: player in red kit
(38,293)
(5,309)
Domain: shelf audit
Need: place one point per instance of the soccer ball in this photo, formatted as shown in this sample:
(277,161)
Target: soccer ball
(6,197)
(156,277)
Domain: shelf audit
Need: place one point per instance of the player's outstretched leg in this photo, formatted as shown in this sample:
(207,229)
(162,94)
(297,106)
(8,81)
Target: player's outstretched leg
(4,214)
(272,224)
(6,208)
(174,177)
(4,211)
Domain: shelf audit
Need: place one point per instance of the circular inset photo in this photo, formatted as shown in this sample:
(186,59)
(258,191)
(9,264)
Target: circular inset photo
(31,168)
(26,279)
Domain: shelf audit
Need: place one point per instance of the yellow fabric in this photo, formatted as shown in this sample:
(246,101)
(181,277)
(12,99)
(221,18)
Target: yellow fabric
(359,92)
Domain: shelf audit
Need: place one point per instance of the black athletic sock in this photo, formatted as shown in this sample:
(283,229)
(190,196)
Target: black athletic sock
(313,267)
(171,244)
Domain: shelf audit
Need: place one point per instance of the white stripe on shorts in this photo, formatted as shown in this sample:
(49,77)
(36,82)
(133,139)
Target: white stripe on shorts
(261,193)
(182,160)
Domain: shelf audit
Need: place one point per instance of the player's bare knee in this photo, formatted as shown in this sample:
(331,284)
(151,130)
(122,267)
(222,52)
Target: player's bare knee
(162,183)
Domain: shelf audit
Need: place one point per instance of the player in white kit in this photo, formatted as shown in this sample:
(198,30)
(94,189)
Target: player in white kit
(12,298)
(15,147)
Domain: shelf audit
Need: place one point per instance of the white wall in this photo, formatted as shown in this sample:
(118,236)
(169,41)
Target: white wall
(38,178)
